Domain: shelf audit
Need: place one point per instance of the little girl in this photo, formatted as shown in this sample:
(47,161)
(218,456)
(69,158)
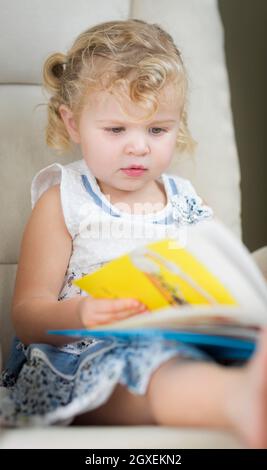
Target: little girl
(120,96)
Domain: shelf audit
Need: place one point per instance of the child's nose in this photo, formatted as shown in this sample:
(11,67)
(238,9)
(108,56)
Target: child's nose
(137,145)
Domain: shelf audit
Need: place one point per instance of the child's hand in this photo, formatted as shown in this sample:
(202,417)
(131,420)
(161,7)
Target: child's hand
(94,312)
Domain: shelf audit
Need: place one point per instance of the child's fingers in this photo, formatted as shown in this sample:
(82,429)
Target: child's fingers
(113,306)
(104,319)
(113,316)
(103,311)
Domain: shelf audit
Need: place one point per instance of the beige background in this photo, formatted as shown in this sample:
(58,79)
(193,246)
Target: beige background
(246,54)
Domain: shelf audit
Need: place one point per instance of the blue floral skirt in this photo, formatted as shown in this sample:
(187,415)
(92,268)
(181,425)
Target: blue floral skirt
(44,384)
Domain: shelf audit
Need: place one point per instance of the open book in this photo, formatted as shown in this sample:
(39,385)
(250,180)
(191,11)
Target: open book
(208,292)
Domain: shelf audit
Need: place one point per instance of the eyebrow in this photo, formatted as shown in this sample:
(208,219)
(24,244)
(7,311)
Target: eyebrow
(123,123)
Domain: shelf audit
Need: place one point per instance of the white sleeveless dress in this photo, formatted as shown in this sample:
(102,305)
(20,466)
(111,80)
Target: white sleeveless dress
(44,384)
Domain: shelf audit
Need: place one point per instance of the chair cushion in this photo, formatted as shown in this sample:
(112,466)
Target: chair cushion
(31,31)
(117,437)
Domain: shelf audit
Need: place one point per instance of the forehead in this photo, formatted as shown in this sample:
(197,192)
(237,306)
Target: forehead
(104,105)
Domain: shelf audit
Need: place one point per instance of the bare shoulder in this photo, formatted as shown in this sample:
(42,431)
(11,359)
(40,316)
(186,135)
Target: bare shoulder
(48,209)
(50,197)
(45,250)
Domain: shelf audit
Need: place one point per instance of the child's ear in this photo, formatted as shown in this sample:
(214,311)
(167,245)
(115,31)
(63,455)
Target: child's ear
(69,121)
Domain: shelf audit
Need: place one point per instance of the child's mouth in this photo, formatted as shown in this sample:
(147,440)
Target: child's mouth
(134,171)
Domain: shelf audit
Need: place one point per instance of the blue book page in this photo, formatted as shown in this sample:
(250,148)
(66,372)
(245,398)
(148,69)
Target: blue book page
(218,346)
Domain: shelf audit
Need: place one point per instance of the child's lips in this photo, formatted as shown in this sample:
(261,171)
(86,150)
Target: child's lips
(134,171)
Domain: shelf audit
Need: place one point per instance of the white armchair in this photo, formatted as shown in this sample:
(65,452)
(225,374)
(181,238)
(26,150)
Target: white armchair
(32,30)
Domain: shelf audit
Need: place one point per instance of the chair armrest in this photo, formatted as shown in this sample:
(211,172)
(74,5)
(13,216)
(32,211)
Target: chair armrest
(260,257)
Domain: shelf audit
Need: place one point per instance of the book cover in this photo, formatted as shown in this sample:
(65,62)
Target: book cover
(223,348)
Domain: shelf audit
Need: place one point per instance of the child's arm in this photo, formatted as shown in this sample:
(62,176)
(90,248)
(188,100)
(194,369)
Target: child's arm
(45,252)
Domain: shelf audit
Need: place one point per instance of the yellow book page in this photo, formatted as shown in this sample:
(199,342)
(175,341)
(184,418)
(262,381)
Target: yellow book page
(121,278)
(182,270)
(159,274)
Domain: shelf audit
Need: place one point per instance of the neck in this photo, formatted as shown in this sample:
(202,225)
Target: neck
(151,193)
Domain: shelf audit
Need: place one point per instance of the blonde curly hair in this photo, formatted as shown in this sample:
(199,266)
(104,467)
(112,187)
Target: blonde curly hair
(130,58)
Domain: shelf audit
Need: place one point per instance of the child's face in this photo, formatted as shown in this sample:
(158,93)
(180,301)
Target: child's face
(111,142)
